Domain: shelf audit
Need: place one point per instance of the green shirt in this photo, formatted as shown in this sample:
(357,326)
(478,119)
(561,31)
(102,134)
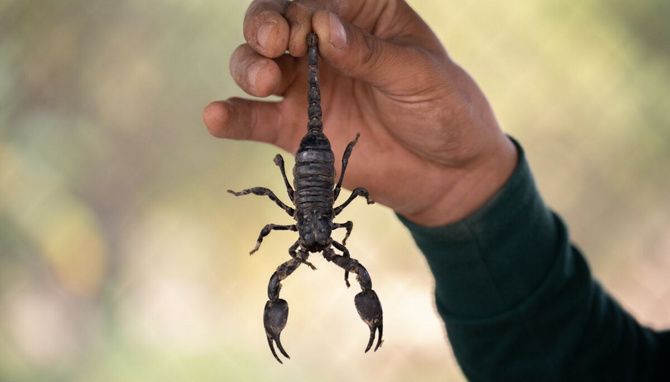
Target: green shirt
(520,303)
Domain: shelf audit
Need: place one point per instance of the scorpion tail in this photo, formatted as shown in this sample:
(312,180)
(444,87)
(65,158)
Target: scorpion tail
(274,320)
(313,94)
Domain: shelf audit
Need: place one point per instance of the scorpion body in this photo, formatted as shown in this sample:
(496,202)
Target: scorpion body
(314,197)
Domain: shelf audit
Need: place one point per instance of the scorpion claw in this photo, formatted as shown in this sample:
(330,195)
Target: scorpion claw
(370,310)
(281,349)
(274,353)
(274,320)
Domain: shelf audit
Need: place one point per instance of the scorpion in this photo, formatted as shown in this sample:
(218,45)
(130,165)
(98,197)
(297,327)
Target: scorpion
(314,198)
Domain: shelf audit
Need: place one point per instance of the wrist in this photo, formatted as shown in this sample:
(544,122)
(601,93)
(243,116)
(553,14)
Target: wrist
(469,189)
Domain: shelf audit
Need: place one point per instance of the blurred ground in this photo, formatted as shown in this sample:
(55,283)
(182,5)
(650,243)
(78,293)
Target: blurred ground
(123,259)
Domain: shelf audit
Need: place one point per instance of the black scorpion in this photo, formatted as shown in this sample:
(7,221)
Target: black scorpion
(314,196)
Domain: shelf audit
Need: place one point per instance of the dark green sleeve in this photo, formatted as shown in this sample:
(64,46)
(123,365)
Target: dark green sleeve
(519,301)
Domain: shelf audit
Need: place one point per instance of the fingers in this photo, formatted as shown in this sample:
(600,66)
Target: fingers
(255,74)
(359,54)
(265,28)
(272,27)
(243,119)
(260,76)
(368,50)
(299,16)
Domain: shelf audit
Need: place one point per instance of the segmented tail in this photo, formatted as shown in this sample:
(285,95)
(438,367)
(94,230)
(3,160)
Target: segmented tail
(313,95)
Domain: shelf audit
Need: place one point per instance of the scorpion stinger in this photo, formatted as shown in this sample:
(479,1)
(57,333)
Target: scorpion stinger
(313,194)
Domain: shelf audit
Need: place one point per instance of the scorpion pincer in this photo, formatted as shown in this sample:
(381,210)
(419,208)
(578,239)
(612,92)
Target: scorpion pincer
(313,194)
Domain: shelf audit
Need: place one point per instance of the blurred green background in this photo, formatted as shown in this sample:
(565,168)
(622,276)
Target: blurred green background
(123,259)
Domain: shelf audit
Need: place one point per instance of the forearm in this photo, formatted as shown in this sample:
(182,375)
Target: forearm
(518,300)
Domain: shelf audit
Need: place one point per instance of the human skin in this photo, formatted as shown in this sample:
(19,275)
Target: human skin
(430,146)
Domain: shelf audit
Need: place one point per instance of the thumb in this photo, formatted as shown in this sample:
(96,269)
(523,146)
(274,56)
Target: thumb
(357,53)
(244,119)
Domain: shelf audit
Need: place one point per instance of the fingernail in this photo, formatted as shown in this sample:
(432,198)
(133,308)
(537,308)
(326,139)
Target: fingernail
(338,36)
(252,74)
(263,33)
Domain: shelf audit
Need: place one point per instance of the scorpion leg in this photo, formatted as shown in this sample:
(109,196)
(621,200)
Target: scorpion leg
(275,313)
(348,225)
(345,161)
(266,231)
(279,161)
(265,191)
(359,191)
(367,303)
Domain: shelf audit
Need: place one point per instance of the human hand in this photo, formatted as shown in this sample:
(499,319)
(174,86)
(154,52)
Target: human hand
(430,146)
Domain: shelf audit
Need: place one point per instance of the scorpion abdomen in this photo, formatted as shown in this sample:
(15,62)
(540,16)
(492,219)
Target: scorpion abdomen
(314,173)
(313,192)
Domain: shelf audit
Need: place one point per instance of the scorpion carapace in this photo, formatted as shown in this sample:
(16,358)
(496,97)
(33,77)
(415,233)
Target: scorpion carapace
(313,194)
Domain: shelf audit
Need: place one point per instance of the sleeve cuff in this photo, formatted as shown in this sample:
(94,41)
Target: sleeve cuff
(493,259)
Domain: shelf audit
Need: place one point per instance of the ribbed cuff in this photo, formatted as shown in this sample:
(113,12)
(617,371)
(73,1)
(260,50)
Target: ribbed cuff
(492,260)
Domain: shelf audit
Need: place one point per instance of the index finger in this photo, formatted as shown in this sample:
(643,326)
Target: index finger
(265,28)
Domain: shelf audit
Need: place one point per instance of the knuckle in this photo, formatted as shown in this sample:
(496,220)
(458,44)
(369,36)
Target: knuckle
(237,64)
(372,52)
(299,18)
(298,11)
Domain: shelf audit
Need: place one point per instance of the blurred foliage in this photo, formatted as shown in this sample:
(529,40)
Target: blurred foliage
(122,258)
